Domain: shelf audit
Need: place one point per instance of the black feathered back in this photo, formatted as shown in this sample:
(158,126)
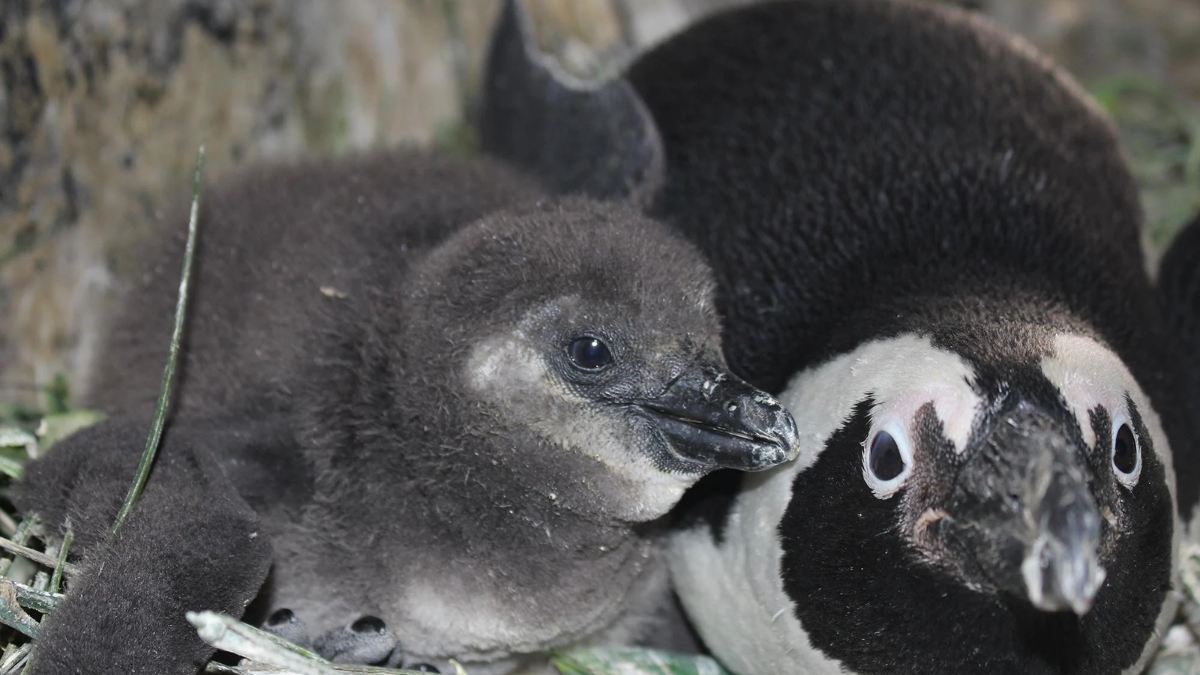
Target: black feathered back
(902,162)
(834,154)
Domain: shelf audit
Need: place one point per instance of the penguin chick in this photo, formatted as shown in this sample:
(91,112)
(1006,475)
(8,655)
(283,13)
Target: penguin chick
(411,388)
(926,237)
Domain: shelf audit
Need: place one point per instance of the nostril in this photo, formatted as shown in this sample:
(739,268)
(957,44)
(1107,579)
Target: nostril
(425,668)
(280,617)
(369,625)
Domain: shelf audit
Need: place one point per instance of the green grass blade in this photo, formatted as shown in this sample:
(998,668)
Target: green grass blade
(11,467)
(31,598)
(633,661)
(54,428)
(36,556)
(164,392)
(11,613)
(56,580)
(269,653)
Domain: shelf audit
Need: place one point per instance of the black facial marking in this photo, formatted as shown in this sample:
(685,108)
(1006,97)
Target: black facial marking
(589,353)
(1101,426)
(424,668)
(884,459)
(917,619)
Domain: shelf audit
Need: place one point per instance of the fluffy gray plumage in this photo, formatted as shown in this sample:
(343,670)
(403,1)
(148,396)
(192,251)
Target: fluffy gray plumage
(377,404)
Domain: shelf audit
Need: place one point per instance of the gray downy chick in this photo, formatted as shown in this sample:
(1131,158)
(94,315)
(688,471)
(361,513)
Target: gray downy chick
(411,388)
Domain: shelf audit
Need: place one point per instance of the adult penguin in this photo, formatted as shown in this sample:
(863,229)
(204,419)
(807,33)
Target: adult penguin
(412,388)
(926,240)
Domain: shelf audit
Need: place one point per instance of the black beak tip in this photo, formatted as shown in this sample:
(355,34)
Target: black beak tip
(771,453)
(779,454)
(786,435)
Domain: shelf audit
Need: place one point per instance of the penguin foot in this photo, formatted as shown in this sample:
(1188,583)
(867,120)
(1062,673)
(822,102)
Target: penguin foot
(367,641)
(285,624)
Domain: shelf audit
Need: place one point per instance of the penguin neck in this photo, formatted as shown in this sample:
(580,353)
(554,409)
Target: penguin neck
(454,523)
(457,465)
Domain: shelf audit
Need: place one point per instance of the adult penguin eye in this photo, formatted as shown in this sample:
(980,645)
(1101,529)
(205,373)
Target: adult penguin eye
(886,464)
(589,353)
(1126,456)
(885,460)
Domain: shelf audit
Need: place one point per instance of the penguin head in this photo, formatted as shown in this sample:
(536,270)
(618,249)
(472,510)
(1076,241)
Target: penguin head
(1019,471)
(967,499)
(1018,483)
(591,329)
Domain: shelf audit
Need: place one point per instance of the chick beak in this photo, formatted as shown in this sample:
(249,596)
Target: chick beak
(1023,508)
(713,419)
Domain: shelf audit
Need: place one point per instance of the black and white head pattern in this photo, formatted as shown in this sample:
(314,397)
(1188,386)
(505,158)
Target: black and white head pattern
(910,536)
(511,370)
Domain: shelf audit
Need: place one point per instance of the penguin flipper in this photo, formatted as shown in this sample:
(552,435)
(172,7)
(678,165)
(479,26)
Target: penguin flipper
(191,543)
(1179,285)
(599,141)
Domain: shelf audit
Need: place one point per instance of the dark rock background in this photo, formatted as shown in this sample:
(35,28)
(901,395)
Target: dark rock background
(103,104)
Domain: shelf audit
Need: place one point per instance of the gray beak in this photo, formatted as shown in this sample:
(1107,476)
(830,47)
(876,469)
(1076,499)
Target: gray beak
(713,419)
(1061,568)
(1023,510)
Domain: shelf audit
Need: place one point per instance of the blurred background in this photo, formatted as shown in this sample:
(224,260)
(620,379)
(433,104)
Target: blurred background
(103,104)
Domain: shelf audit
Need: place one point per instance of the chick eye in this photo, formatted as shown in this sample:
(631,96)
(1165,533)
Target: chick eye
(885,465)
(1126,456)
(589,353)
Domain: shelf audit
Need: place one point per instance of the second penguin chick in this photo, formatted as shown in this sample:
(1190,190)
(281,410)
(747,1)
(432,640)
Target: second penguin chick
(411,389)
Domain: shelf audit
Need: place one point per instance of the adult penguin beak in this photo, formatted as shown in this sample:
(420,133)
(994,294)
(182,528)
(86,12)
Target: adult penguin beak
(1023,508)
(713,419)
(1061,569)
